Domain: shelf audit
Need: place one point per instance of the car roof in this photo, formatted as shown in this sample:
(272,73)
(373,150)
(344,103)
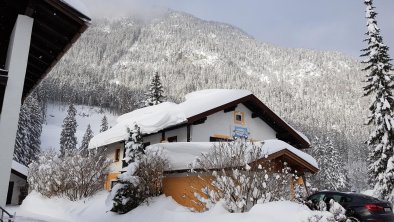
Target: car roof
(349,194)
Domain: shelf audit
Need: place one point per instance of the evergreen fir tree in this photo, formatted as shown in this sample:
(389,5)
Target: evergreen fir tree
(35,129)
(379,86)
(127,193)
(155,95)
(85,141)
(104,124)
(22,140)
(27,142)
(68,140)
(332,174)
(134,146)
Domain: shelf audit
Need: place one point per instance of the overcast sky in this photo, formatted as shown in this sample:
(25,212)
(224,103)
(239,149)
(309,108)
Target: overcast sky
(336,25)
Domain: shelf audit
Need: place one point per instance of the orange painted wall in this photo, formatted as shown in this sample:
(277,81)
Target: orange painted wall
(110,177)
(182,189)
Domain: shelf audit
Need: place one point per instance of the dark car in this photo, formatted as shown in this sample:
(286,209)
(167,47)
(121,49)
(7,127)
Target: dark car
(359,207)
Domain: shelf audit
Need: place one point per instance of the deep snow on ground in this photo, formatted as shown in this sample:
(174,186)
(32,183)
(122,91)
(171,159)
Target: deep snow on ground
(38,208)
(56,113)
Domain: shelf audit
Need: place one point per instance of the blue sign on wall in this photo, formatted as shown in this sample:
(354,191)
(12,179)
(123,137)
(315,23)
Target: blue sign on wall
(240,132)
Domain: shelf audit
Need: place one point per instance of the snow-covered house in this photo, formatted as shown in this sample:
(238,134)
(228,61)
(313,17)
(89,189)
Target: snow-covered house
(17,189)
(186,129)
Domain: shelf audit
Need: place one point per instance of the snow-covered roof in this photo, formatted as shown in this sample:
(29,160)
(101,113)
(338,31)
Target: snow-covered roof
(20,168)
(77,5)
(152,119)
(182,154)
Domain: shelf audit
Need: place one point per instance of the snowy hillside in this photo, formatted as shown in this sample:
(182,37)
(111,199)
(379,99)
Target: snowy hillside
(51,130)
(319,93)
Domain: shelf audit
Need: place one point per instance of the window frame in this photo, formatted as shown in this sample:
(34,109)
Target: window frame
(172,139)
(241,115)
(117,155)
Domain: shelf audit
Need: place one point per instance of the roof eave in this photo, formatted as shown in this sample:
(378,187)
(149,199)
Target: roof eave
(82,19)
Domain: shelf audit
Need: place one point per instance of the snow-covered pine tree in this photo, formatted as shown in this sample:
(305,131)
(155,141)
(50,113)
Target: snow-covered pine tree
(127,193)
(22,139)
(134,146)
(85,142)
(379,86)
(104,124)
(27,142)
(155,94)
(35,128)
(332,174)
(68,140)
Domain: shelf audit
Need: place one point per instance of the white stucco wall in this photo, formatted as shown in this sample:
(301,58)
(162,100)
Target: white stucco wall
(18,183)
(152,139)
(180,133)
(224,124)
(220,123)
(110,153)
(259,130)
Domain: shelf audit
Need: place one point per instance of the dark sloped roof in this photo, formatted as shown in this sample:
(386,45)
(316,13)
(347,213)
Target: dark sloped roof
(56,27)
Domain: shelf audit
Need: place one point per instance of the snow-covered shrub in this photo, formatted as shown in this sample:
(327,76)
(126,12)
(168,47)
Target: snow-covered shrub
(239,184)
(151,171)
(299,192)
(74,177)
(143,178)
(336,212)
(44,176)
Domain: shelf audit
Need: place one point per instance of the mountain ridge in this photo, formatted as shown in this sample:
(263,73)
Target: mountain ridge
(110,66)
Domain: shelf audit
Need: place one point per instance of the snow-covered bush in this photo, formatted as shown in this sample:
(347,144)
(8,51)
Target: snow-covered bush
(143,178)
(151,171)
(73,176)
(239,184)
(337,212)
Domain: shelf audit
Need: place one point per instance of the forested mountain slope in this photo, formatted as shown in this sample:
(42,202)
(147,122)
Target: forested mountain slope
(111,65)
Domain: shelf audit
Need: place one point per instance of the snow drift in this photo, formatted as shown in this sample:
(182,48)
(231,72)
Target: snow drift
(160,209)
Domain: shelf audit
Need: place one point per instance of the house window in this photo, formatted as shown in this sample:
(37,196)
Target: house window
(117,155)
(239,118)
(172,139)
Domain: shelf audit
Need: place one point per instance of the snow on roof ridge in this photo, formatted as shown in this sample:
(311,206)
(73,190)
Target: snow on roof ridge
(182,154)
(20,168)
